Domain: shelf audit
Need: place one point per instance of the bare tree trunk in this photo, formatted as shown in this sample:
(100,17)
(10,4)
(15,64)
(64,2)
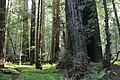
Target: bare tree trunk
(42,24)
(2,31)
(107,56)
(37,45)
(32,33)
(42,29)
(25,40)
(55,31)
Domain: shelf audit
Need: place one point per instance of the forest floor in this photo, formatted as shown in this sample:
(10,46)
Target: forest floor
(114,74)
(27,72)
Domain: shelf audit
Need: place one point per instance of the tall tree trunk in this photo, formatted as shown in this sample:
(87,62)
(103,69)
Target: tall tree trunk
(107,57)
(92,32)
(42,24)
(116,16)
(37,45)
(42,29)
(32,33)
(75,59)
(2,30)
(55,31)
(25,42)
(8,17)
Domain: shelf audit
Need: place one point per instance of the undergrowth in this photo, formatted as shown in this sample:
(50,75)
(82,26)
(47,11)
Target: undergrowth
(95,74)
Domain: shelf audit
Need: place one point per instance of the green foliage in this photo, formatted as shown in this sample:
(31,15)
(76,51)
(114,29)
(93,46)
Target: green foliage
(4,77)
(95,74)
(113,27)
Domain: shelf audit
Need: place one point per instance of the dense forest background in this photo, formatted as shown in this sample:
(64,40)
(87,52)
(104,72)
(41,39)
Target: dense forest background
(75,35)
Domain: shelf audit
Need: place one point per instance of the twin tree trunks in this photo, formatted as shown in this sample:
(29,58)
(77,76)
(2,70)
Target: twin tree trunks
(82,37)
(2,32)
(92,32)
(91,29)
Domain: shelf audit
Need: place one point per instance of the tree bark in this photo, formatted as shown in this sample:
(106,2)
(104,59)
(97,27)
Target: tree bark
(32,33)
(75,59)
(107,57)
(25,43)
(55,31)
(2,31)
(42,24)
(92,32)
(37,45)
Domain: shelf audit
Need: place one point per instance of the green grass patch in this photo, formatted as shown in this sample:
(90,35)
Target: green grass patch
(5,77)
(117,62)
(29,72)
(41,76)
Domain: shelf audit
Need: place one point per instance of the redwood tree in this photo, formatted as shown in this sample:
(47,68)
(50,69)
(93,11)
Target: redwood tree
(55,31)
(37,44)
(107,56)
(2,30)
(75,59)
(92,32)
(32,32)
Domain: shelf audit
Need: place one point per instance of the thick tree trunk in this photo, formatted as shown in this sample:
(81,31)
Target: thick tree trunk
(32,33)
(92,32)
(2,31)
(55,31)
(75,59)
(107,57)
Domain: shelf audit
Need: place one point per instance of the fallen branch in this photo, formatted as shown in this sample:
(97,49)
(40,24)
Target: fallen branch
(116,57)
